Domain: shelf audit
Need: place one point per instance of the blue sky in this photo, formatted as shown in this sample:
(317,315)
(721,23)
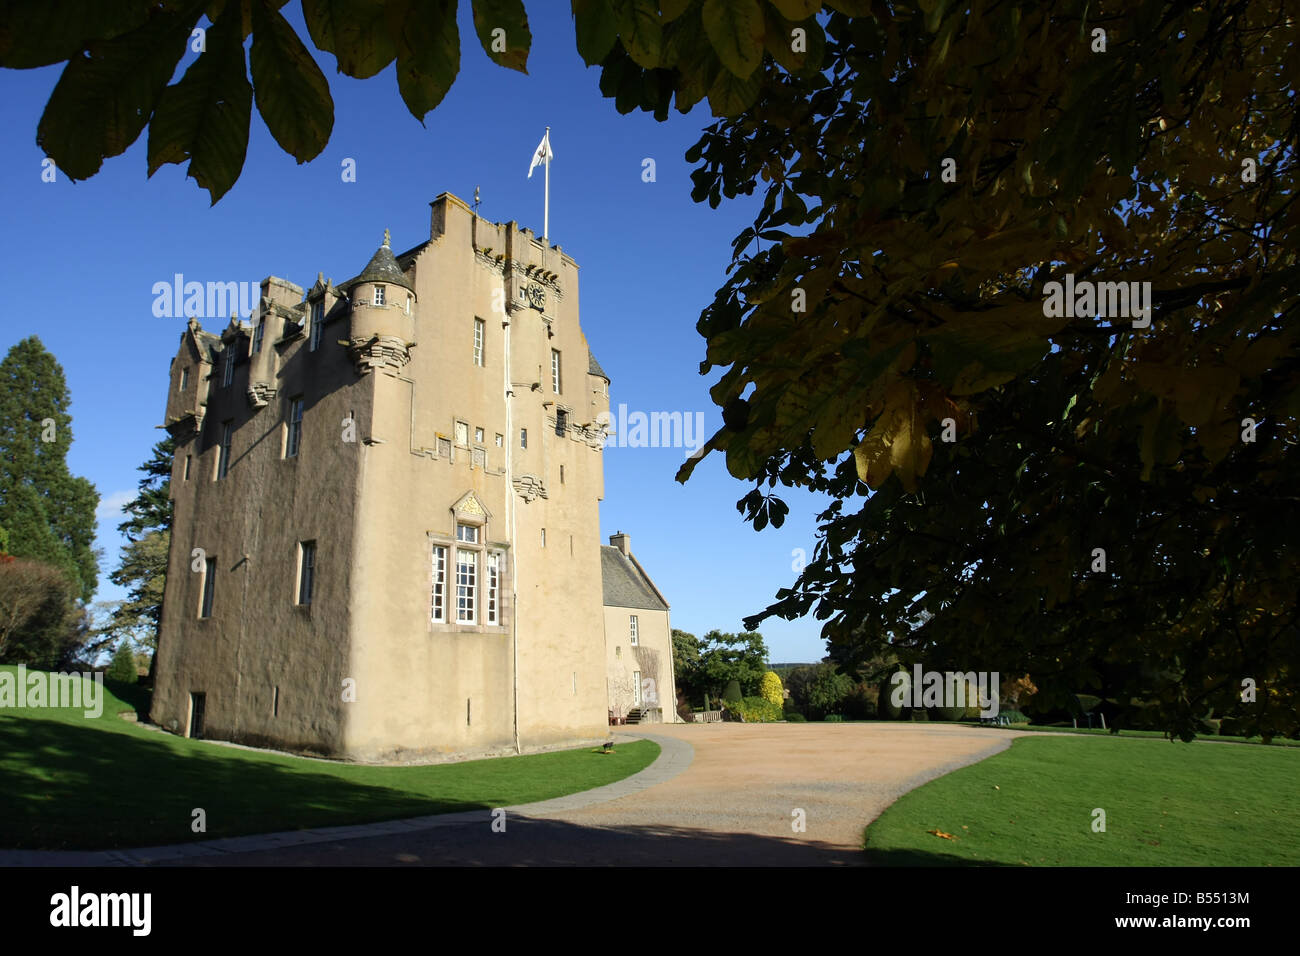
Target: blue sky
(79,260)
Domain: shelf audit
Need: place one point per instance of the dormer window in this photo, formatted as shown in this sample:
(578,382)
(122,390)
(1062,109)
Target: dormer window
(379,295)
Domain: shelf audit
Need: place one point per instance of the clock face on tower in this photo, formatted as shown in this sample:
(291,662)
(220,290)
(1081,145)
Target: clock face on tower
(536,295)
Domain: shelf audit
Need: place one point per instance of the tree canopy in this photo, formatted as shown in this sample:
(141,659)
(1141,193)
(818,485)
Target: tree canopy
(48,512)
(143,567)
(1098,498)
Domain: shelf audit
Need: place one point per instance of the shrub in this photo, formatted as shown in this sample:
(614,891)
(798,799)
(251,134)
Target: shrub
(122,667)
(794,717)
(861,704)
(756,710)
(1014,716)
(919,714)
(732,691)
(833,719)
(884,701)
(770,688)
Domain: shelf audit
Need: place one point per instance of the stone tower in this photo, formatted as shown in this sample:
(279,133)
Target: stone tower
(386,509)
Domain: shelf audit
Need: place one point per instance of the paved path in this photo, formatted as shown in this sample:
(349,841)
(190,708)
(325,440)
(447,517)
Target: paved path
(719,794)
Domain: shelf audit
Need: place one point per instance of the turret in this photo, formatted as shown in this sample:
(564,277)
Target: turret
(382,328)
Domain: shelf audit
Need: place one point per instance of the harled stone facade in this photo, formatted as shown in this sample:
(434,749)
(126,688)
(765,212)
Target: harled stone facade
(386,509)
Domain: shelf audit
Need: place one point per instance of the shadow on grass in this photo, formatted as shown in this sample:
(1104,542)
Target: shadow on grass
(905,857)
(136,695)
(65,786)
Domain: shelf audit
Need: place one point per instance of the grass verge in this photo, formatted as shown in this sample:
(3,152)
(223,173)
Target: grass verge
(1165,804)
(72,782)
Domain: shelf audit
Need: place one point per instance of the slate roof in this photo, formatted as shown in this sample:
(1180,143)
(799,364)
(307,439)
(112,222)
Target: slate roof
(593,367)
(625,582)
(382,268)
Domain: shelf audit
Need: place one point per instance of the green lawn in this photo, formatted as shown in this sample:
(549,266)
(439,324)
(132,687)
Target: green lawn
(1157,734)
(69,782)
(1167,804)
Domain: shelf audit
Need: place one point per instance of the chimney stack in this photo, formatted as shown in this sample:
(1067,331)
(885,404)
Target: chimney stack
(621,541)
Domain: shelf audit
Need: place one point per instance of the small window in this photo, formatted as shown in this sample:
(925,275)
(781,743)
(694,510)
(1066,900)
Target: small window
(561,474)
(444,447)
(462,433)
(408,303)
(185,378)
(293,437)
(478,341)
(275,701)
(493,587)
(467,533)
(561,422)
(209,587)
(555,371)
(636,688)
(543,537)
(438,614)
(259,335)
(523,438)
(500,440)
(379,295)
(187,468)
(317,320)
(223,453)
(634,635)
(230,364)
(306,570)
(478,436)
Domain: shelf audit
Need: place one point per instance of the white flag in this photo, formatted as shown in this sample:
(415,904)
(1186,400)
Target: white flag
(543,154)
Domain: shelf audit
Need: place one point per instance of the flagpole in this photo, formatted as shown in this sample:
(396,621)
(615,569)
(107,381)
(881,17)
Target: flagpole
(546,203)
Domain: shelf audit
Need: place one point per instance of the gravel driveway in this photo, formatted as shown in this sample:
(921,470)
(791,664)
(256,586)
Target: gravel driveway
(733,804)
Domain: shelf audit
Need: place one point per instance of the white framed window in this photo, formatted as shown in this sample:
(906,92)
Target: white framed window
(493,587)
(379,295)
(408,303)
(438,612)
(467,533)
(462,433)
(306,571)
(634,634)
(478,436)
(479,327)
(636,688)
(555,371)
(229,376)
(523,438)
(223,453)
(293,435)
(317,320)
(500,440)
(466,586)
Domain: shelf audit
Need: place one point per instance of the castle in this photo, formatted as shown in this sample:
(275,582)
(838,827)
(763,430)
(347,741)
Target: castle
(386,540)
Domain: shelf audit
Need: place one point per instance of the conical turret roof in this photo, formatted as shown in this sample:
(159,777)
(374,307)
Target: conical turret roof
(382,268)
